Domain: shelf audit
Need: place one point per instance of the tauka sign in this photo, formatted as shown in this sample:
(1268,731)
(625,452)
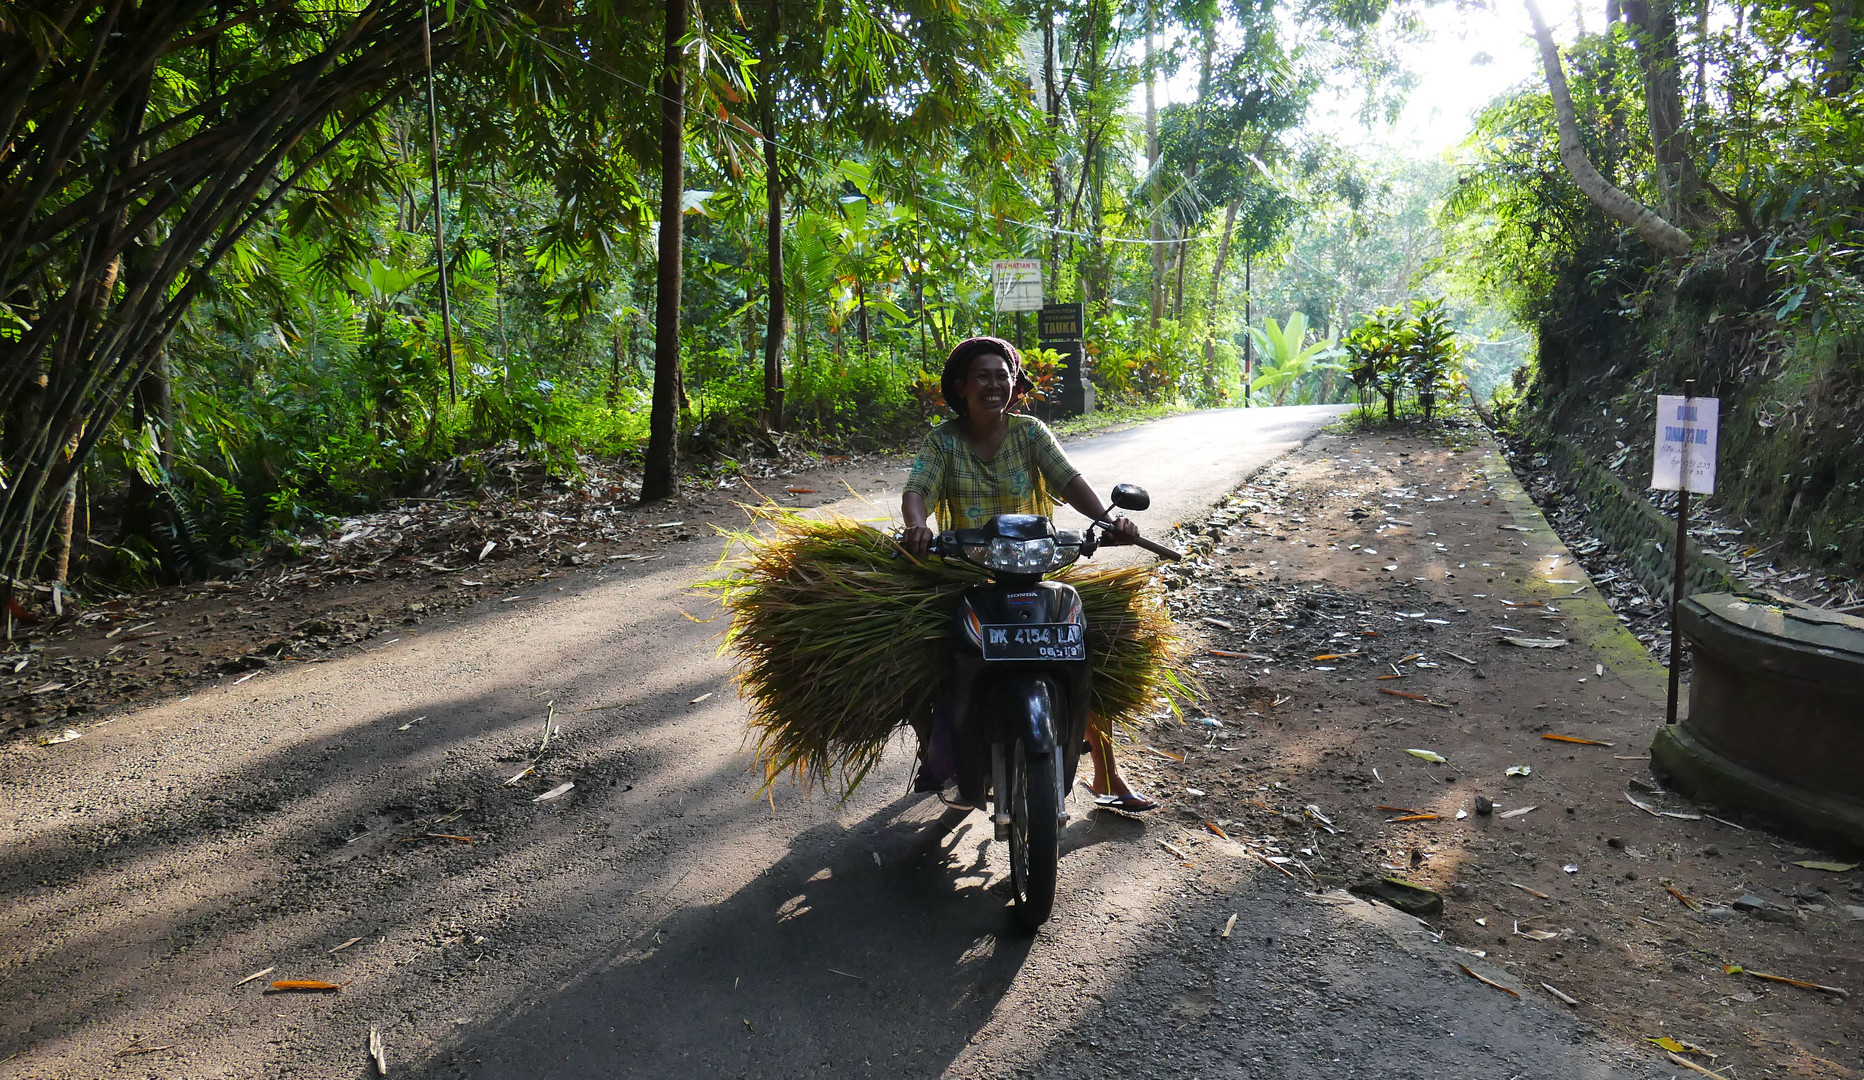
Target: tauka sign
(1017,284)
(1686,437)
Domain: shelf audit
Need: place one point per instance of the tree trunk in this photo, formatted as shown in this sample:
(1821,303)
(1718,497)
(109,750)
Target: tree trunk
(1155,227)
(498,305)
(614,371)
(1216,291)
(1839,43)
(1092,286)
(1653,24)
(777,316)
(67,518)
(440,215)
(1207,51)
(1660,234)
(1097,280)
(1184,258)
(1052,102)
(919,287)
(860,299)
(802,337)
(660,473)
(938,335)
(1249,320)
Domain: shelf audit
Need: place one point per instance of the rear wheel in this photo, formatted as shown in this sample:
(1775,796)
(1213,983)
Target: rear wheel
(1035,833)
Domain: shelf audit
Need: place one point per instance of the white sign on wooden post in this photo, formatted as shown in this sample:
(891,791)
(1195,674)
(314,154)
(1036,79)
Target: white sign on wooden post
(1017,284)
(1686,437)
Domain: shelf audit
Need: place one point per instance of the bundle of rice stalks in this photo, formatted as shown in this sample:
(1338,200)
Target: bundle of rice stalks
(840,642)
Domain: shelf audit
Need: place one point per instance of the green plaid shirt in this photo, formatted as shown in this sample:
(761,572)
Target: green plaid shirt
(963,490)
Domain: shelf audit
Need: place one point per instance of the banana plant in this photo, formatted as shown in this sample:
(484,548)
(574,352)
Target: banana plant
(1291,363)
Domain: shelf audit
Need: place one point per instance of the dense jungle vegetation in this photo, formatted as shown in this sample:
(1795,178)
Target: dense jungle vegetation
(264,262)
(1718,240)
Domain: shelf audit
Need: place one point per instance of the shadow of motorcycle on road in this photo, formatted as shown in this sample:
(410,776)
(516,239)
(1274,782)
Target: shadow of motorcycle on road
(887,941)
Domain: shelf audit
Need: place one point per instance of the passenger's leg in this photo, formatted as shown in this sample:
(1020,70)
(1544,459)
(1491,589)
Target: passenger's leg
(1107,778)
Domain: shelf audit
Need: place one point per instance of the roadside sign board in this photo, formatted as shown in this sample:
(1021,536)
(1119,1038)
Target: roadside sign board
(1061,322)
(1686,440)
(1017,284)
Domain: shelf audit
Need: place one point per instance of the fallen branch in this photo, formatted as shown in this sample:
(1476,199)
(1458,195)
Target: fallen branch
(1737,969)
(1479,977)
(1678,1059)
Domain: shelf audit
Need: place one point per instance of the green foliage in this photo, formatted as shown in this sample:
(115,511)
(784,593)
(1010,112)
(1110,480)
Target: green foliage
(865,398)
(1766,312)
(1290,363)
(1375,241)
(1376,348)
(1392,350)
(1136,362)
(297,366)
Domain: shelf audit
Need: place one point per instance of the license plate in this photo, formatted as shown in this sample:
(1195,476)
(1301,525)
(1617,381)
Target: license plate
(1035,641)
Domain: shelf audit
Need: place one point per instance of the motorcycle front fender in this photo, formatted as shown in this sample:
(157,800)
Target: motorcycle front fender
(1030,706)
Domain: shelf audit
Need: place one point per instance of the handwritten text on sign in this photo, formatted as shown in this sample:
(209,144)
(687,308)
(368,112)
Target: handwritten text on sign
(1686,430)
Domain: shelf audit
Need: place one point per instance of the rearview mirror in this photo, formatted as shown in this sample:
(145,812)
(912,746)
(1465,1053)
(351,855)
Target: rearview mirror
(1131,497)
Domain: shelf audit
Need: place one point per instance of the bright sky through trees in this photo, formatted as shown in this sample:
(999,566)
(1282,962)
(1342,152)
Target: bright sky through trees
(1470,55)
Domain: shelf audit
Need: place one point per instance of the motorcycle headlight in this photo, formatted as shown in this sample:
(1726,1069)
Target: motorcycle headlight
(1023,556)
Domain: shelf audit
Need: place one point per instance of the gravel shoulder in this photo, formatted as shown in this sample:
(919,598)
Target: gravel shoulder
(1355,604)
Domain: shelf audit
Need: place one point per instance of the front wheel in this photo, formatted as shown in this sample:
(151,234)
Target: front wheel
(1035,833)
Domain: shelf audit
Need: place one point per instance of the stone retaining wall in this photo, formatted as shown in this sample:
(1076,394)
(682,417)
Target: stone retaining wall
(1633,527)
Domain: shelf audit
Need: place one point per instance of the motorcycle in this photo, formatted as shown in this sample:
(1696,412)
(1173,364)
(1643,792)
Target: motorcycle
(1021,686)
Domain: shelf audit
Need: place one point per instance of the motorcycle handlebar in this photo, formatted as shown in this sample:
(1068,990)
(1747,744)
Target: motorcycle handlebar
(1158,549)
(1154,547)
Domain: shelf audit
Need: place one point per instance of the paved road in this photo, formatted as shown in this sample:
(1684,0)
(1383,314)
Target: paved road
(656,921)
(1189,462)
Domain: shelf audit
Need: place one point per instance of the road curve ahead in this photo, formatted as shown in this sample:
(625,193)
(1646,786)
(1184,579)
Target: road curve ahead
(367,821)
(1186,462)
(1189,462)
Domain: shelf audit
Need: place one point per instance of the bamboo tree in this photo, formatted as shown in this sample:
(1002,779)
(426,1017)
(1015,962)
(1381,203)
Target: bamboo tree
(118,198)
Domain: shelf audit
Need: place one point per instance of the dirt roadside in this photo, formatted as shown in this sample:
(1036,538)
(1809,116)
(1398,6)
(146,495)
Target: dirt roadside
(372,577)
(1353,606)
(368,577)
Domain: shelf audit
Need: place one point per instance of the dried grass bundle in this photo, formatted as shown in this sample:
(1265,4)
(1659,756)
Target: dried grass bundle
(839,642)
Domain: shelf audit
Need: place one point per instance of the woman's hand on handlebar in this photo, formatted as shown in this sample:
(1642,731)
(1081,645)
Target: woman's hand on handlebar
(1123,531)
(917,540)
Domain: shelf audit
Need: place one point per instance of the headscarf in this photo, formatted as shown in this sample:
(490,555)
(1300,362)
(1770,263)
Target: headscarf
(958,366)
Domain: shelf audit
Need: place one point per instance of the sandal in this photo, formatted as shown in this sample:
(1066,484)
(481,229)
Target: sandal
(1134,803)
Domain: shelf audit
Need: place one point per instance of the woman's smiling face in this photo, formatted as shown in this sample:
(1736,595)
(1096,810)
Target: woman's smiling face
(988,386)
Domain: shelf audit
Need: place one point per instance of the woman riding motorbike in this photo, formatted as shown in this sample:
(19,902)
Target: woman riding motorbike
(985,462)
